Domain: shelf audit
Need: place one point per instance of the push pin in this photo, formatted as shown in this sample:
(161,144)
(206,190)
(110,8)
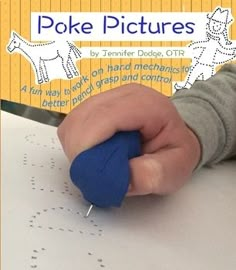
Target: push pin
(102,173)
(89,210)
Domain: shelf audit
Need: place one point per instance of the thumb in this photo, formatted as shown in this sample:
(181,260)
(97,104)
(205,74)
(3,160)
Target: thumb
(160,173)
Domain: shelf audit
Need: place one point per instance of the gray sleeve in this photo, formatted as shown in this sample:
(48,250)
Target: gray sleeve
(209,109)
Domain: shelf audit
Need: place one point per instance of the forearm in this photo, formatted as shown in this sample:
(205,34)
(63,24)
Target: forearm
(209,109)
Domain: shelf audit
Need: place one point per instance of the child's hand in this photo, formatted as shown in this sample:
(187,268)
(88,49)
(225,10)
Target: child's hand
(170,149)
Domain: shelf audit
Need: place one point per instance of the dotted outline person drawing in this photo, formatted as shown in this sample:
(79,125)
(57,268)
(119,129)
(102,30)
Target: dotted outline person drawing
(38,53)
(215,50)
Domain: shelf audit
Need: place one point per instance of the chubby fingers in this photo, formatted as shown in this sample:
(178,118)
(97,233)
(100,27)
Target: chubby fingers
(166,170)
(160,173)
(135,108)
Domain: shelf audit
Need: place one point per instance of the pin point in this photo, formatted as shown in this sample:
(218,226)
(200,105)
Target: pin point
(89,210)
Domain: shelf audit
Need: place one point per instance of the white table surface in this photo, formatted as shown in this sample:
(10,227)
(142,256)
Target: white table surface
(42,228)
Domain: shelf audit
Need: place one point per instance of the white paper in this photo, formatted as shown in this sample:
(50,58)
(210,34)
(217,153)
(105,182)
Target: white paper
(43,227)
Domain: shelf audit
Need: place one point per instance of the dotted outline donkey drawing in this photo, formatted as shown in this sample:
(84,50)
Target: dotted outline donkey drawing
(38,53)
(215,50)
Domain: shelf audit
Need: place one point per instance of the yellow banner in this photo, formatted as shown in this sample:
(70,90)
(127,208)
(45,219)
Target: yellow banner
(58,74)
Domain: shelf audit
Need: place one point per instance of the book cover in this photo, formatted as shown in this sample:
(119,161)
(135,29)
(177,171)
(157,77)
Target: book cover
(56,53)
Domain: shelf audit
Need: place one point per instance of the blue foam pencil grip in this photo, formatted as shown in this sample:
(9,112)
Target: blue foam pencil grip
(102,173)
